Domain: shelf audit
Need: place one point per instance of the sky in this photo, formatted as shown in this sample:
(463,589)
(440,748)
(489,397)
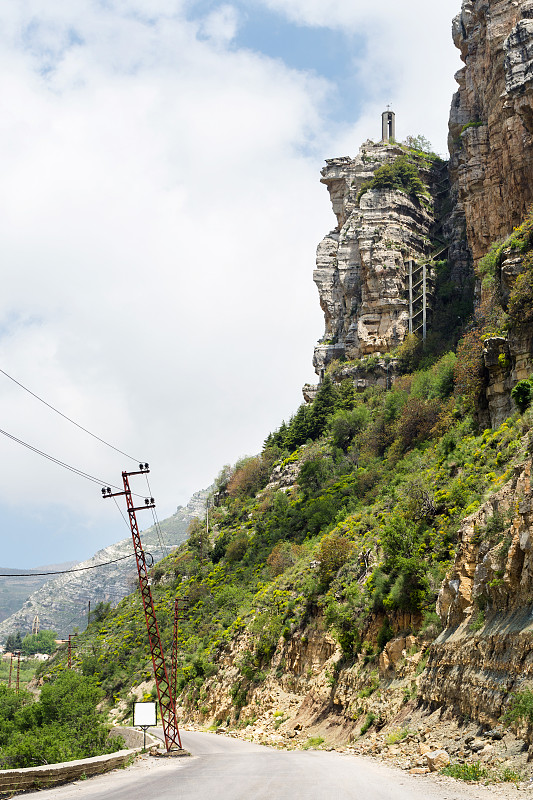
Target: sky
(160,209)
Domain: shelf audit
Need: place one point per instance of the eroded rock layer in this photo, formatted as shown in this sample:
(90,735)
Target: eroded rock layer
(486,605)
(361,266)
(491,121)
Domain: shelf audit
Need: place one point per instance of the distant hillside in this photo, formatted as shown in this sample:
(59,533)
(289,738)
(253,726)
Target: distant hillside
(14,591)
(62,602)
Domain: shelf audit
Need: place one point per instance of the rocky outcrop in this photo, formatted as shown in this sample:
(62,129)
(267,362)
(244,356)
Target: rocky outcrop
(508,359)
(485,603)
(361,266)
(491,121)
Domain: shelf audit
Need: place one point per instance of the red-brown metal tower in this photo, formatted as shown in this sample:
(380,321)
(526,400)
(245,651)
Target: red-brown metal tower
(166,701)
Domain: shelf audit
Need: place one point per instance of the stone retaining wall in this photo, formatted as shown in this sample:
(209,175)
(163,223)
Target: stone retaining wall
(18,780)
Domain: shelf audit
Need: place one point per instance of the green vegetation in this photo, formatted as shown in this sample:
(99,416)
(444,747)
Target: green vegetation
(520,708)
(522,394)
(473,771)
(28,668)
(313,741)
(367,724)
(476,124)
(63,725)
(346,522)
(401,174)
(42,642)
(367,532)
(398,736)
(516,300)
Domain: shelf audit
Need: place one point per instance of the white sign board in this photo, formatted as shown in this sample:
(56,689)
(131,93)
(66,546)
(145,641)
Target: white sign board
(144,714)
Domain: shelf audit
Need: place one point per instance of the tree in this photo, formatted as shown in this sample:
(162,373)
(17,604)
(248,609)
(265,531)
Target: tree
(13,642)
(419,143)
(64,724)
(42,642)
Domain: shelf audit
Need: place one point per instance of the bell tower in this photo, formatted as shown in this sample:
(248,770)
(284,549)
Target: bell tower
(388,125)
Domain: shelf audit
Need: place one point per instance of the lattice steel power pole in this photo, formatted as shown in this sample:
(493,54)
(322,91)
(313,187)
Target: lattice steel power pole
(166,701)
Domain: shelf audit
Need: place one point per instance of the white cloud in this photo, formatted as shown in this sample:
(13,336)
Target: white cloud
(221,25)
(159,213)
(157,231)
(409,60)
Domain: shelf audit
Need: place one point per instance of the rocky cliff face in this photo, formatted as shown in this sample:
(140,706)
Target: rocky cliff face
(485,603)
(361,266)
(491,121)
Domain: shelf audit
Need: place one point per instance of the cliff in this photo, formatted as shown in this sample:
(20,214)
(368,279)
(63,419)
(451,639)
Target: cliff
(485,603)
(396,214)
(491,119)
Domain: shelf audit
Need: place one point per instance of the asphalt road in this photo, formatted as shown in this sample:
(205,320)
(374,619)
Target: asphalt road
(223,768)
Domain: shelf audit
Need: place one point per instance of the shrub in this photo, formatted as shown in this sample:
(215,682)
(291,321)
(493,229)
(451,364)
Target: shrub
(520,708)
(522,394)
(237,548)
(385,634)
(313,741)
(369,721)
(398,735)
(345,424)
(416,421)
(249,476)
(282,557)
(468,372)
(402,174)
(465,772)
(334,551)
(63,725)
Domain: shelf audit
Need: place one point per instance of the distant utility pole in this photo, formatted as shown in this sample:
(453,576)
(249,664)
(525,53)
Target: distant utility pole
(89,614)
(18,654)
(10,671)
(70,651)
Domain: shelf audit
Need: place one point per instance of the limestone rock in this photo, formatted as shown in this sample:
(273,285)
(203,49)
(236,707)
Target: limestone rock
(492,159)
(361,265)
(437,759)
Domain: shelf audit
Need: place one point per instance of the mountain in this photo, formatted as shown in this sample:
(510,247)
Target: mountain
(13,591)
(62,603)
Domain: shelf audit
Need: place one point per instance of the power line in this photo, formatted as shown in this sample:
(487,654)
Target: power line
(60,463)
(64,571)
(159,530)
(103,441)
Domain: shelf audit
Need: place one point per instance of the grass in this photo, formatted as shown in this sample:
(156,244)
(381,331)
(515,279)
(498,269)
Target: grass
(313,741)
(369,721)
(510,776)
(474,771)
(465,772)
(398,735)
